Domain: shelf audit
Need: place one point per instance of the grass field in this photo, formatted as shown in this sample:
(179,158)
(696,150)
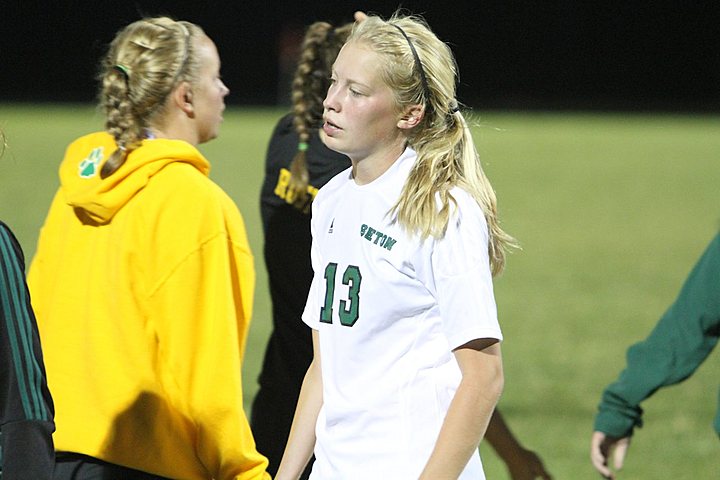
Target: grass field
(612,210)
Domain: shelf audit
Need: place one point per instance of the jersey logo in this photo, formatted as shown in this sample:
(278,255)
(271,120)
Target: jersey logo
(376,237)
(88,167)
(330,230)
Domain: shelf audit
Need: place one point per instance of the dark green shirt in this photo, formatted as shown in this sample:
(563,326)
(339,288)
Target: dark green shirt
(679,343)
(26,407)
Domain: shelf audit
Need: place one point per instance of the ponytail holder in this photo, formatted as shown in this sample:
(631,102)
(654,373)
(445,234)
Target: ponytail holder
(123,70)
(302,146)
(454,107)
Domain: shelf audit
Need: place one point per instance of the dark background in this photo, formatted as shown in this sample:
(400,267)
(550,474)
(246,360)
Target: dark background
(513,54)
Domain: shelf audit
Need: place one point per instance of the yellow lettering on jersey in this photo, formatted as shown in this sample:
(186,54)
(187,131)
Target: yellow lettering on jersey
(282,190)
(282,183)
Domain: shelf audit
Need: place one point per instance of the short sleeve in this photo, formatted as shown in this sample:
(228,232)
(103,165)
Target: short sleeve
(462,276)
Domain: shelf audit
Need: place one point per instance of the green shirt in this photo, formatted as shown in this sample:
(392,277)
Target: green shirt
(679,343)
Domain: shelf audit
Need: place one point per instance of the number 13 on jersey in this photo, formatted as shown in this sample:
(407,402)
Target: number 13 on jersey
(349,310)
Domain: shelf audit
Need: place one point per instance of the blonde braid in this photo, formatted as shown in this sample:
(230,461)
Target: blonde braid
(320,47)
(119,120)
(144,63)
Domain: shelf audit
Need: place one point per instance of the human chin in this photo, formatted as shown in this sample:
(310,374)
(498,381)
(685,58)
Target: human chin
(209,134)
(332,143)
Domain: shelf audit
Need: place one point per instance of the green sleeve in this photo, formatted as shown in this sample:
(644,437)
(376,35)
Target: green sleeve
(679,343)
(26,407)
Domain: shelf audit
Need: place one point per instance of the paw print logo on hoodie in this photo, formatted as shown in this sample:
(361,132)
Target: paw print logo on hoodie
(88,166)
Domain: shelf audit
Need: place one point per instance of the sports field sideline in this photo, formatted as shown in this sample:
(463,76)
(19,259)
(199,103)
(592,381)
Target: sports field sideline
(611,210)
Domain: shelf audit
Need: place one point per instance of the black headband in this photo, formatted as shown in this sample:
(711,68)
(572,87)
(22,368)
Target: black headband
(418,63)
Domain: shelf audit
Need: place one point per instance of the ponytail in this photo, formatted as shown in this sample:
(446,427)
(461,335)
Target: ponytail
(320,47)
(145,62)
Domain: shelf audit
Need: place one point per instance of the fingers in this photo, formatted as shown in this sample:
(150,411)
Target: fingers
(621,448)
(599,449)
(359,16)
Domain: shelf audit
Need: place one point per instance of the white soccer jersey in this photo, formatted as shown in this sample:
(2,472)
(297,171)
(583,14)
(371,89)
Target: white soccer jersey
(389,309)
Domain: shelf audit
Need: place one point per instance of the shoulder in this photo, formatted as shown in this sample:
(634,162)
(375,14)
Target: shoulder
(192,184)
(464,246)
(467,210)
(8,237)
(183,194)
(4,228)
(334,185)
(10,247)
(282,145)
(182,212)
(284,130)
(96,143)
(284,125)
(92,140)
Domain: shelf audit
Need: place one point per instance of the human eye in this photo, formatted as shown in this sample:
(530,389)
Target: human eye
(332,82)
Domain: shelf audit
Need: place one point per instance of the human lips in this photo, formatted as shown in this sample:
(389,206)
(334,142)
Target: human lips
(330,128)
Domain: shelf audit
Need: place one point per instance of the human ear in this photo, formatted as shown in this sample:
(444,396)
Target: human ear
(411,117)
(182,97)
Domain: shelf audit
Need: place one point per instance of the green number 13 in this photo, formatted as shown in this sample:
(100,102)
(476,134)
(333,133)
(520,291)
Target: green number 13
(349,308)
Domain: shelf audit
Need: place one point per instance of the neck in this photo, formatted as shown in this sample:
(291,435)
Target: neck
(371,167)
(175,126)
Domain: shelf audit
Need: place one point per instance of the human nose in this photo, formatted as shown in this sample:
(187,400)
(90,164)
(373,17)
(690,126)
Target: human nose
(225,90)
(331,100)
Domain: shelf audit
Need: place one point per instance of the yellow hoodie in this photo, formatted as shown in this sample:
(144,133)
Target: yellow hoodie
(143,285)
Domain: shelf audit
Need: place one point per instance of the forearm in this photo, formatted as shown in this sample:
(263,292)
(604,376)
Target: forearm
(501,438)
(676,347)
(467,418)
(678,344)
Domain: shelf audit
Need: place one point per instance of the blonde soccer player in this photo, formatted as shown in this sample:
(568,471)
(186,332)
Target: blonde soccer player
(407,367)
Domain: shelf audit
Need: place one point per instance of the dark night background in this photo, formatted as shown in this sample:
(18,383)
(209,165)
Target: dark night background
(513,54)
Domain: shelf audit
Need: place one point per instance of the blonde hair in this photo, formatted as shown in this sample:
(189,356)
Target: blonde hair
(321,45)
(145,62)
(420,69)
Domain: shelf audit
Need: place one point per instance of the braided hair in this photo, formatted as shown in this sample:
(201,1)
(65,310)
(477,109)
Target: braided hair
(321,45)
(145,62)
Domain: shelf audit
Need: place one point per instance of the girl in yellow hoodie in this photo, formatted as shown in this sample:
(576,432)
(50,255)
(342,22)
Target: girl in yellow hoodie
(143,278)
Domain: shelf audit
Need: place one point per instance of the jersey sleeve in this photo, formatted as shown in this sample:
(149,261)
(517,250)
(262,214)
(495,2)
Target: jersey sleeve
(462,276)
(26,407)
(682,339)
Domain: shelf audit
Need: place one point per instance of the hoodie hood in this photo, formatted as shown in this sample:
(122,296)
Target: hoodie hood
(101,199)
